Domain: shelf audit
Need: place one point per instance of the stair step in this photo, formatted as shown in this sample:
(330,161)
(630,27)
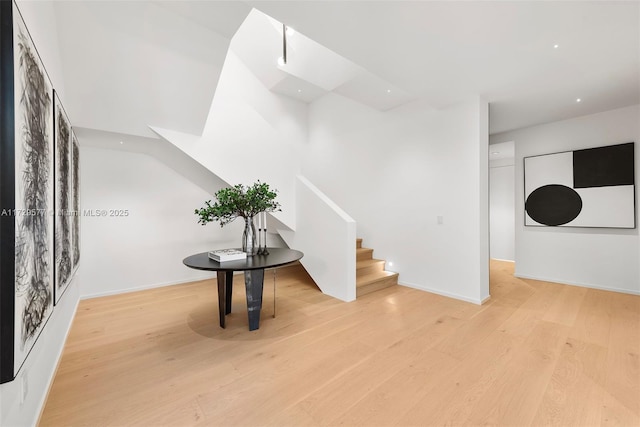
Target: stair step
(374,282)
(369,266)
(364,254)
(370,273)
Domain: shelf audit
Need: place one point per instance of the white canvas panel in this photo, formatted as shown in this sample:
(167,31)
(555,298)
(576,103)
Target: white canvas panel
(606,207)
(549,169)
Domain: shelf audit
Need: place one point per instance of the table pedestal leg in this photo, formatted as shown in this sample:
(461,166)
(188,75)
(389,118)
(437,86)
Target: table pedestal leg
(253,280)
(224,294)
(229,291)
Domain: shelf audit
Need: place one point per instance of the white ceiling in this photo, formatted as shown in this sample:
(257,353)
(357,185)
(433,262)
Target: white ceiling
(445,51)
(311,70)
(159,61)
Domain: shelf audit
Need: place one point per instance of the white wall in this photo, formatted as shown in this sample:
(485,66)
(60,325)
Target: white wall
(502,210)
(145,248)
(136,64)
(40,365)
(601,258)
(251,133)
(395,173)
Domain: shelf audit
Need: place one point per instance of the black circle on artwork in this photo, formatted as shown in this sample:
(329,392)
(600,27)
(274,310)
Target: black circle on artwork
(553,204)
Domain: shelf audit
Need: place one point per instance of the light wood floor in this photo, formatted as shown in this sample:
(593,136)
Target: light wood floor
(536,354)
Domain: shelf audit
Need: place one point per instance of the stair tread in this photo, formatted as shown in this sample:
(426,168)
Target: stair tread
(374,277)
(377,284)
(363,254)
(383,273)
(368,262)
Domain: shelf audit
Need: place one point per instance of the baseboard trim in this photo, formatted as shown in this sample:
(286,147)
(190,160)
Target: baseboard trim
(172,283)
(443,293)
(144,287)
(503,260)
(581,285)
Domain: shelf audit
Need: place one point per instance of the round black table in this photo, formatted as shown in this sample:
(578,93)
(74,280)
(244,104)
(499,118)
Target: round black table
(253,267)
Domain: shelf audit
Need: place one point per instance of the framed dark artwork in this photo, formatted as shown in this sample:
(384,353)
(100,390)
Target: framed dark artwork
(75,202)
(594,187)
(26,193)
(63,190)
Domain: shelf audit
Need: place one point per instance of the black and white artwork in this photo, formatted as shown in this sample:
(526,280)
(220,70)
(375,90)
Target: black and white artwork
(63,200)
(34,189)
(594,187)
(75,201)
(26,159)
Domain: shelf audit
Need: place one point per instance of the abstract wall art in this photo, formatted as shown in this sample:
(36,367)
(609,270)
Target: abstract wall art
(26,193)
(63,199)
(594,187)
(75,201)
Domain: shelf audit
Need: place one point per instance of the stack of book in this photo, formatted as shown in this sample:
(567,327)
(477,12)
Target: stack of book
(222,255)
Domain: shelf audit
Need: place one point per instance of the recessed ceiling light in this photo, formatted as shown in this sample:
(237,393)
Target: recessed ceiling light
(121,142)
(299,90)
(495,152)
(555,46)
(388,90)
(578,100)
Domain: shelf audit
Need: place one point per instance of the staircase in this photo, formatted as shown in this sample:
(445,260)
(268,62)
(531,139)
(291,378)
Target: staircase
(370,273)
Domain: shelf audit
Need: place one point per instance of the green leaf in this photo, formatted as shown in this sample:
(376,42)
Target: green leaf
(239,201)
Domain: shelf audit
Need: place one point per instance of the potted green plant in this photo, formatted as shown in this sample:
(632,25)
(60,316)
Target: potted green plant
(240,201)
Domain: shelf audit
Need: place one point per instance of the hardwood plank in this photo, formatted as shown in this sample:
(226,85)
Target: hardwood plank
(614,413)
(566,305)
(623,356)
(268,389)
(514,398)
(593,322)
(473,333)
(575,393)
(450,400)
(398,394)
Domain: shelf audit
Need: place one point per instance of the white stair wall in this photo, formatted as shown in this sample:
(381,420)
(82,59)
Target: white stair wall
(325,233)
